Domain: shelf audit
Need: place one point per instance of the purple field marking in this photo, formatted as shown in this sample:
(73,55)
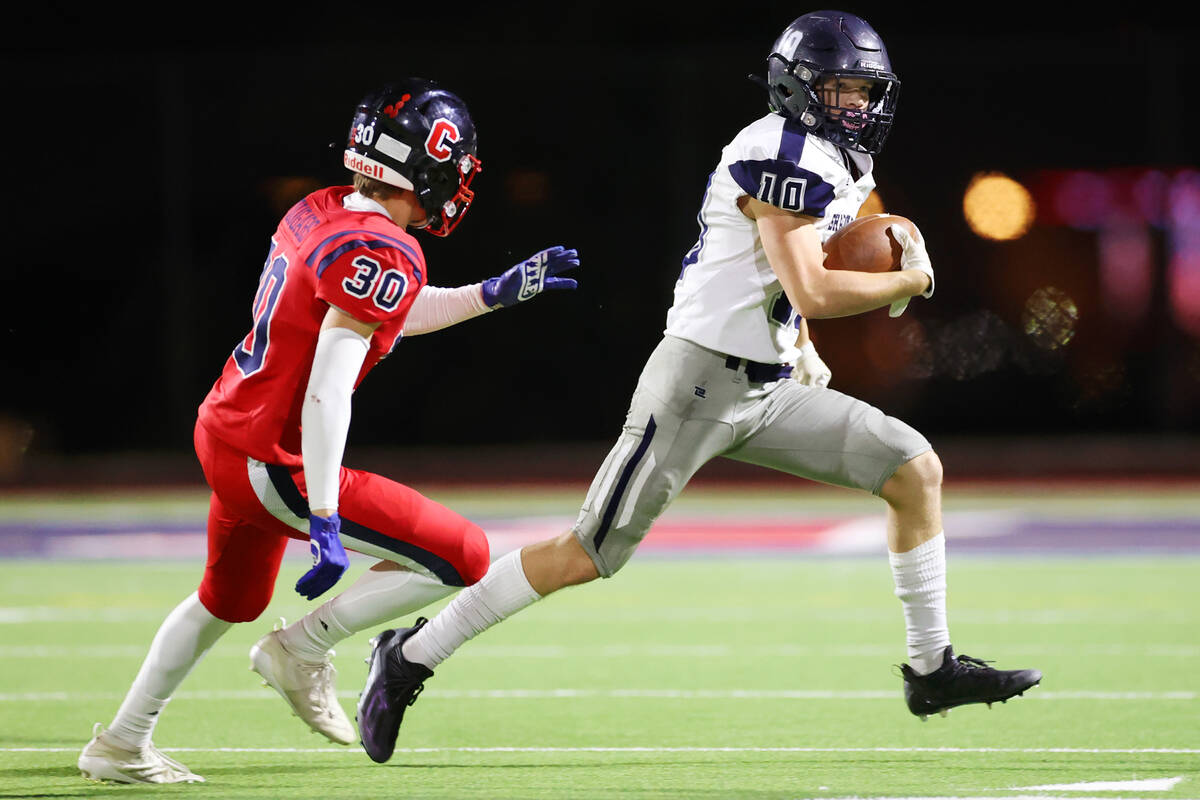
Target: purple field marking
(1092,536)
(678,536)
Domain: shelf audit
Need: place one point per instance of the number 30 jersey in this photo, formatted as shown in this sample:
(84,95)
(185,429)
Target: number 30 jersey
(727,297)
(322,254)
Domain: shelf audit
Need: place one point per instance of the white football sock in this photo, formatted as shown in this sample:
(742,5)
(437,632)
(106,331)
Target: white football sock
(502,592)
(377,597)
(184,637)
(920,578)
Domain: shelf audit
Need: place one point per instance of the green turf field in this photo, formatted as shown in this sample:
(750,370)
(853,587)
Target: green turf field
(715,677)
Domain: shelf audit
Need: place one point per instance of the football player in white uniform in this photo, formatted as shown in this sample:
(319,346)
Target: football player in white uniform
(735,375)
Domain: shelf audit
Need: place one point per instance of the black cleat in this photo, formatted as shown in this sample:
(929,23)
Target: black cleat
(961,680)
(393,684)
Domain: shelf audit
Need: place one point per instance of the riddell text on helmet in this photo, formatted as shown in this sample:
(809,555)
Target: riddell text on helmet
(359,164)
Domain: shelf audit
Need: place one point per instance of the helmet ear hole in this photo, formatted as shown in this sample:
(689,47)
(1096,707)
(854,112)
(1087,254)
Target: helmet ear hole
(789,94)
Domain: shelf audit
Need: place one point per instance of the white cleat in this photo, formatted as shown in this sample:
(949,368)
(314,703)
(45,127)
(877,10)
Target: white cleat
(308,688)
(105,760)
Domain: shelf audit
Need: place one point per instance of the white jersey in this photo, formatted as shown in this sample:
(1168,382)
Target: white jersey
(727,297)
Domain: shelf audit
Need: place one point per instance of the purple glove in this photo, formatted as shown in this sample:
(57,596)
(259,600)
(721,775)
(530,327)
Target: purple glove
(329,557)
(530,277)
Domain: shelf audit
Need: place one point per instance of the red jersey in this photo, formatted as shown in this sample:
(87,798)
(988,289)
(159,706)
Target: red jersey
(321,255)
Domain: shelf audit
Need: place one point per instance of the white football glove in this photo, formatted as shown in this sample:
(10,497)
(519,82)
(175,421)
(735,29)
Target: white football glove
(913,256)
(808,368)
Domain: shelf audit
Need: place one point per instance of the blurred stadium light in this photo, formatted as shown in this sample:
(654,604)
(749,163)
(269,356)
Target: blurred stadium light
(998,207)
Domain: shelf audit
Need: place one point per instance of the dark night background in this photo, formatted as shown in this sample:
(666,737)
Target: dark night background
(151,153)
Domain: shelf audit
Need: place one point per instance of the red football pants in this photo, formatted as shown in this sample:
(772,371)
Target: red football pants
(255,508)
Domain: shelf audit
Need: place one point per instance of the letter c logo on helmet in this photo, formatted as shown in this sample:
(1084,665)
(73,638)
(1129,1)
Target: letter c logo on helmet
(442,134)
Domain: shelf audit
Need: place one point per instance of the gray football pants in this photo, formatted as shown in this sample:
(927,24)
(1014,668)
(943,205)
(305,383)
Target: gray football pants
(689,408)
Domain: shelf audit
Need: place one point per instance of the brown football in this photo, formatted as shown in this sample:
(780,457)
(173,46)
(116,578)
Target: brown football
(866,244)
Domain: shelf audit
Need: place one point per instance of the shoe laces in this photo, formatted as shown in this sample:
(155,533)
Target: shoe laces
(975,670)
(398,680)
(321,676)
(400,684)
(973,663)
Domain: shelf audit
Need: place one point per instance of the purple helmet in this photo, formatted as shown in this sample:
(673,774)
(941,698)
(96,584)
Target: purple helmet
(834,44)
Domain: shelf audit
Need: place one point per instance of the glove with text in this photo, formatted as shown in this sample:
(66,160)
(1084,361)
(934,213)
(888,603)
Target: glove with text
(533,275)
(808,369)
(329,557)
(913,256)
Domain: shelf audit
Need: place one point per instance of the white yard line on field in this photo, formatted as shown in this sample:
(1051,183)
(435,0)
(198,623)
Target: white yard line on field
(568,694)
(1136,785)
(628,650)
(23,615)
(634,749)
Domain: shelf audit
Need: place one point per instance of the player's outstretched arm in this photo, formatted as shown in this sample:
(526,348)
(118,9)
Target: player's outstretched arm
(436,307)
(531,277)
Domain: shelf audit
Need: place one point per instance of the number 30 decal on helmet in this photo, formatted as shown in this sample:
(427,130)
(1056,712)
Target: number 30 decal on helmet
(415,135)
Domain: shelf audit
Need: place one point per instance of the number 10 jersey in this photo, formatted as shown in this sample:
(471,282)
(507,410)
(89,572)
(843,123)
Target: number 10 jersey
(727,297)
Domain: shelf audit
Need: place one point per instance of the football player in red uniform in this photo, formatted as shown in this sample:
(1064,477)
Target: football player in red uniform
(343,281)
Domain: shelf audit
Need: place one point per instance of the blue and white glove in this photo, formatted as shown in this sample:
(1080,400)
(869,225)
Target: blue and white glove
(913,255)
(329,557)
(809,369)
(530,277)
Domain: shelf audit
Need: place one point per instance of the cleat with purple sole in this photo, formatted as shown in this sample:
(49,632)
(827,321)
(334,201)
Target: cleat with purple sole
(393,684)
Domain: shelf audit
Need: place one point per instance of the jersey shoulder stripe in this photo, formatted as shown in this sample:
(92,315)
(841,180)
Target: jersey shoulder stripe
(344,241)
(777,162)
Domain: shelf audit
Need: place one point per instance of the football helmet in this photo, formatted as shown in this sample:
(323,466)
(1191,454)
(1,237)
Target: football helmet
(835,45)
(416,135)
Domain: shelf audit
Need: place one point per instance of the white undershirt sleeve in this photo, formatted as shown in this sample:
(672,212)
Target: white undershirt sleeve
(435,308)
(325,413)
